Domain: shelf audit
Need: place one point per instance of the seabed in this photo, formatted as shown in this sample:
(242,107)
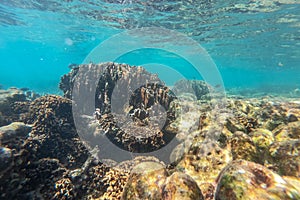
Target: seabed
(246,149)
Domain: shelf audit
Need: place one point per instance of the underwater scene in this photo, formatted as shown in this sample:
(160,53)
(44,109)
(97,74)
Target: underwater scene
(150,99)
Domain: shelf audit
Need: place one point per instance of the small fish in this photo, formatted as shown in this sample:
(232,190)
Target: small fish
(280,64)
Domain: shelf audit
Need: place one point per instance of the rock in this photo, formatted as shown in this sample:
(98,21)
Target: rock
(233,125)
(244,118)
(191,117)
(145,182)
(262,138)
(291,131)
(13,130)
(5,158)
(182,187)
(208,190)
(285,157)
(243,147)
(203,164)
(272,124)
(295,181)
(179,151)
(149,180)
(293,114)
(274,114)
(128,165)
(292,118)
(244,180)
(260,113)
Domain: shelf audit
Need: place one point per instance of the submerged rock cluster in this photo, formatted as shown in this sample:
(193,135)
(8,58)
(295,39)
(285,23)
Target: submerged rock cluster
(249,151)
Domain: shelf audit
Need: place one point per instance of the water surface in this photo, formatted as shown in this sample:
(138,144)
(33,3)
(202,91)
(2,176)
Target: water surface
(255,44)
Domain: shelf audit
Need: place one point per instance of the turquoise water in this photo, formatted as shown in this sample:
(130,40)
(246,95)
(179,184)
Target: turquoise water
(254,44)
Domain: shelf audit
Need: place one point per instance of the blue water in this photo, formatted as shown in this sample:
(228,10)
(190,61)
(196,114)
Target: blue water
(254,44)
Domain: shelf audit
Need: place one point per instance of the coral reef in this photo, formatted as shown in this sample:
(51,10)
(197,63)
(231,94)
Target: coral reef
(14,130)
(107,78)
(41,152)
(14,103)
(123,91)
(247,149)
(198,89)
(48,160)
